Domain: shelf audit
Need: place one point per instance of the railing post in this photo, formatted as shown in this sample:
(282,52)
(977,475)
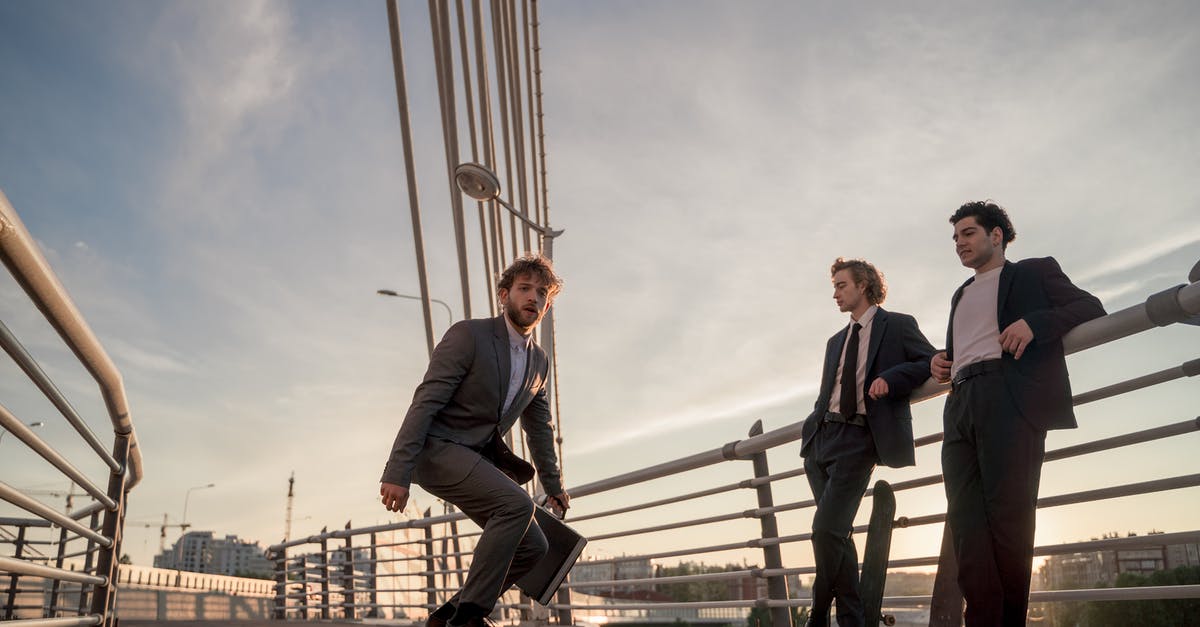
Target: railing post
(564,598)
(325,613)
(103,597)
(772,557)
(304,587)
(430,566)
(281,579)
(946,608)
(374,612)
(52,607)
(87,564)
(348,578)
(10,607)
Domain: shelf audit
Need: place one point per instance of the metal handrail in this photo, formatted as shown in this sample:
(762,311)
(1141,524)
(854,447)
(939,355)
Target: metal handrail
(24,260)
(1158,310)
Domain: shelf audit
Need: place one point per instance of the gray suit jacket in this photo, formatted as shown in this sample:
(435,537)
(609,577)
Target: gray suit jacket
(456,408)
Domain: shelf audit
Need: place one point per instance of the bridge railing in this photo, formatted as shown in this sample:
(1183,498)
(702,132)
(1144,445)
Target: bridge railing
(85,544)
(309,590)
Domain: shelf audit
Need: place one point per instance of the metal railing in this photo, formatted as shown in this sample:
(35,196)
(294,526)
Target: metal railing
(309,589)
(86,543)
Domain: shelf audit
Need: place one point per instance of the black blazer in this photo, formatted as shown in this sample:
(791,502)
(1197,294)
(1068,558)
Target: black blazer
(1037,291)
(900,354)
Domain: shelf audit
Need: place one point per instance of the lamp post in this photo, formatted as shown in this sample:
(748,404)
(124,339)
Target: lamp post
(187,496)
(32,425)
(482,184)
(449,314)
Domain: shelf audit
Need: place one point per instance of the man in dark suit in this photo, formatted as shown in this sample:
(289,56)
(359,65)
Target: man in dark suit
(861,418)
(1004,358)
(482,377)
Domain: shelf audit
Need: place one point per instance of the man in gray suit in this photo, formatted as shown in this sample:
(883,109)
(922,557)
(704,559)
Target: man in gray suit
(483,376)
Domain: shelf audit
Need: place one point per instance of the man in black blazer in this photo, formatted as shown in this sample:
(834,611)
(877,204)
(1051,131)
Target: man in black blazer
(482,377)
(861,418)
(1004,358)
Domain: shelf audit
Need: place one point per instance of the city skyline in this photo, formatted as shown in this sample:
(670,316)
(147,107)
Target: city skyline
(219,186)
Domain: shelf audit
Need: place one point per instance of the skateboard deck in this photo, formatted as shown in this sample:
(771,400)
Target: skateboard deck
(875,556)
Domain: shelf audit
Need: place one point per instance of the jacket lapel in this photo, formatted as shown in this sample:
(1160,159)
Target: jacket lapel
(878,325)
(954,306)
(503,358)
(1006,281)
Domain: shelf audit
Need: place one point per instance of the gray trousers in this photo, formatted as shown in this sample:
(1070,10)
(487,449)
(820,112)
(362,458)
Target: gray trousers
(511,543)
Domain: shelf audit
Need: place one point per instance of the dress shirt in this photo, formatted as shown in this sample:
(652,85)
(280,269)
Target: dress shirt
(518,350)
(860,376)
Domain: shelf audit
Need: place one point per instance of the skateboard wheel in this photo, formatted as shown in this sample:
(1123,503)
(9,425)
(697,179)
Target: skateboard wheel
(888,619)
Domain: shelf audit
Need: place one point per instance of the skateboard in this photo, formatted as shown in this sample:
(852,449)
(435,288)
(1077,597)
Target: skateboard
(875,557)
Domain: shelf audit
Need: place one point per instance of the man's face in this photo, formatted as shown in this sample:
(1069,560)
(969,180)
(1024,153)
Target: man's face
(846,293)
(974,244)
(526,301)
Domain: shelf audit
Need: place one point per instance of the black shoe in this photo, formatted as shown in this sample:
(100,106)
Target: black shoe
(470,615)
(440,617)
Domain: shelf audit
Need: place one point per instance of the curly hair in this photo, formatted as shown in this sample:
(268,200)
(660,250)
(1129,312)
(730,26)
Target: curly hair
(863,272)
(532,264)
(990,216)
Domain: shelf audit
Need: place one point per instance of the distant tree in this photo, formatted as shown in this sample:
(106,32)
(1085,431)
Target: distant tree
(761,617)
(125,559)
(1176,612)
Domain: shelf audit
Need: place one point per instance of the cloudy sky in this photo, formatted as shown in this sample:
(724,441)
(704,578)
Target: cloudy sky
(220,187)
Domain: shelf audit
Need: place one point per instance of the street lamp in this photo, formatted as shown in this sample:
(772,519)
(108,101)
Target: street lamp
(32,425)
(449,314)
(482,184)
(188,495)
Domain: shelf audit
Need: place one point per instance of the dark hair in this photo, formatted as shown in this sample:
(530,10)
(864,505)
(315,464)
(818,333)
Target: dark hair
(863,272)
(990,216)
(536,265)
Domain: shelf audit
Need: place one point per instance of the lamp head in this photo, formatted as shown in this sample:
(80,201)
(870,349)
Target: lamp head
(477,181)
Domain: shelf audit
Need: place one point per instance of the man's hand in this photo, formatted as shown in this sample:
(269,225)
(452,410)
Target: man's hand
(879,389)
(939,367)
(1016,337)
(395,497)
(560,503)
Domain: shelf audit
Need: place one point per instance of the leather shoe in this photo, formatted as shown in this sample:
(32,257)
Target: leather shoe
(440,617)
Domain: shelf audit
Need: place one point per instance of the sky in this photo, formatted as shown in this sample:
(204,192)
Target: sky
(220,188)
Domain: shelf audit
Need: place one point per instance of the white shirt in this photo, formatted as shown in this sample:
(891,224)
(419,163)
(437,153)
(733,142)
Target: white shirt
(860,375)
(976,329)
(518,352)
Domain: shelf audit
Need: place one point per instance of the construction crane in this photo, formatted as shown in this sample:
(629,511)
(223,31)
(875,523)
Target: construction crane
(162,531)
(287,527)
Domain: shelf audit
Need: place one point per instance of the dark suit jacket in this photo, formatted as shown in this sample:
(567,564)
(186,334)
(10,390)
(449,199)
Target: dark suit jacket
(456,409)
(1037,291)
(900,354)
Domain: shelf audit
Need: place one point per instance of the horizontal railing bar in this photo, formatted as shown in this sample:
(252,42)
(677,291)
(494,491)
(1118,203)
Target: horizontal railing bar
(675,525)
(1130,489)
(14,496)
(664,581)
(88,510)
(1186,369)
(22,567)
(1128,439)
(24,522)
(53,457)
(1140,593)
(71,621)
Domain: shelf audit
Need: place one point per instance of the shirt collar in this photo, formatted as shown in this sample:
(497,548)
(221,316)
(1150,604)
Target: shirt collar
(867,316)
(515,338)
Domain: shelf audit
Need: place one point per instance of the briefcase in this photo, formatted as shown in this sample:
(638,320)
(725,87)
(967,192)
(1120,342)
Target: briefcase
(543,580)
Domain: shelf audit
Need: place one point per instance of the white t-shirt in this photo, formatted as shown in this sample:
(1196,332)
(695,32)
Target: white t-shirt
(976,329)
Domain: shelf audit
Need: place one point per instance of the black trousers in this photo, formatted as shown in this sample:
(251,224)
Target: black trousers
(992,464)
(838,468)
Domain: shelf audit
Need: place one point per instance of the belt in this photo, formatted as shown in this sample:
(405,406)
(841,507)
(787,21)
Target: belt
(858,420)
(974,370)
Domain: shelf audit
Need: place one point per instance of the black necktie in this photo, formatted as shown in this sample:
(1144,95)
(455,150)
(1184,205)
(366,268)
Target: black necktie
(849,401)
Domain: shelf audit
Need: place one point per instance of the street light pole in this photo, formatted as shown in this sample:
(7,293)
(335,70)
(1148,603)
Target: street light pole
(32,425)
(449,313)
(188,495)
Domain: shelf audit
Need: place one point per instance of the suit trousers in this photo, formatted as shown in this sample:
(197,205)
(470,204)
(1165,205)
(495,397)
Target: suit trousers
(992,464)
(511,543)
(838,468)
